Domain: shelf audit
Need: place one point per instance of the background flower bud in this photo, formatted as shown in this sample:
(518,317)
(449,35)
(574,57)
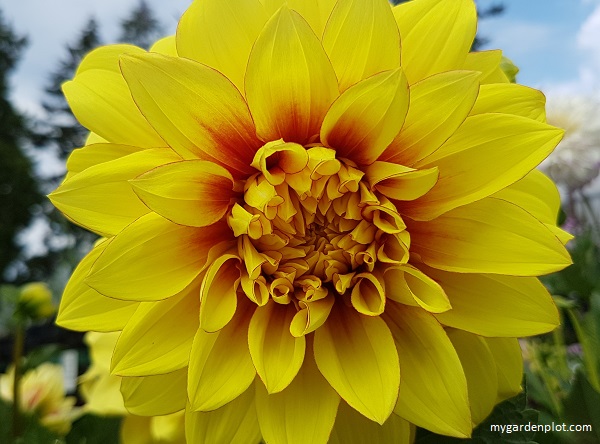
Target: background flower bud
(35,301)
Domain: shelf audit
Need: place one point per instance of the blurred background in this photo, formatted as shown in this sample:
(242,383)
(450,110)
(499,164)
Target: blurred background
(555,44)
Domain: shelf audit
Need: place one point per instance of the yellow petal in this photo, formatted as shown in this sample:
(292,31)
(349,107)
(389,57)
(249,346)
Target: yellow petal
(563,236)
(433,388)
(221,368)
(143,349)
(302,413)
(353,428)
(361,39)
(488,236)
(102,394)
(234,423)
(169,428)
(364,120)
(93,138)
(166,46)
(486,154)
(509,366)
(276,159)
(195,193)
(100,197)
(311,315)
(410,286)
(368,294)
(97,153)
(106,58)
(492,305)
(136,429)
(438,106)
(510,98)
(101,390)
(277,355)
(194,108)
(154,258)
(357,356)
(290,82)
(101,347)
(536,194)
(82,308)
(155,395)
(480,370)
(315,12)
(488,63)
(436,35)
(399,182)
(218,294)
(221,34)
(100,99)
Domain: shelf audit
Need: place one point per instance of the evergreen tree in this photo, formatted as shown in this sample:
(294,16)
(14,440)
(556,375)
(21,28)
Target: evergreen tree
(18,189)
(141,28)
(61,131)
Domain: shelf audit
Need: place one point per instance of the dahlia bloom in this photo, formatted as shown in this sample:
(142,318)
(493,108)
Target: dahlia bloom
(321,221)
(102,394)
(43,394)
(576,161)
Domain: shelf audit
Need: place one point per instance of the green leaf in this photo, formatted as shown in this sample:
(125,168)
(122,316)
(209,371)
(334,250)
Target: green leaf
(92,429)
(582,406)
(591,342)
(44,353)
(513,412)
(580,279)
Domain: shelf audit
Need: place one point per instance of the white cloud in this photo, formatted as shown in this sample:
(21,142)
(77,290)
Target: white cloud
(587,42)
(588,37)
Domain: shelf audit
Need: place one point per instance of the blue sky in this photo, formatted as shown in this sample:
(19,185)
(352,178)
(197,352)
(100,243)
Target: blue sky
(556,43)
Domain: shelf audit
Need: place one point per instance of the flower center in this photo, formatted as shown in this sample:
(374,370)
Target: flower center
(310,228)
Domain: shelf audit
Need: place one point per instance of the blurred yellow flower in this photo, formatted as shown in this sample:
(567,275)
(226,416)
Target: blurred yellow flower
(301,214)
(43,394)
(35,300)
(102,394)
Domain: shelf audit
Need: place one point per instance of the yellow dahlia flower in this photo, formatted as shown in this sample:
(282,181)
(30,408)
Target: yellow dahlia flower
(321,220)
(43,394)
(102,394)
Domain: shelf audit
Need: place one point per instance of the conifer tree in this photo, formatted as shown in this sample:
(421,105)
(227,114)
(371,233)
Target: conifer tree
(141,28)
(18,189)
(61,132)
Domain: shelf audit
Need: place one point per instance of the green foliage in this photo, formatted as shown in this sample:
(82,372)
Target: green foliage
(563,368)
(34,432)
(582,406)
(513,412)
(581,279)
(92,429)
(89,429)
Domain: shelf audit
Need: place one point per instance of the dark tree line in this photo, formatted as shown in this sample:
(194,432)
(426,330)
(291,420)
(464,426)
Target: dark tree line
(57,132)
